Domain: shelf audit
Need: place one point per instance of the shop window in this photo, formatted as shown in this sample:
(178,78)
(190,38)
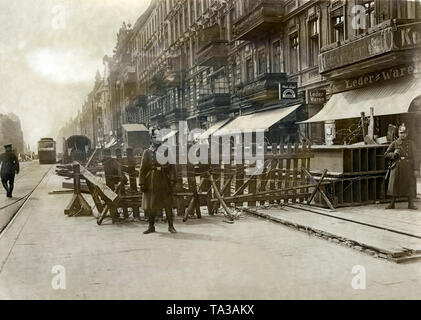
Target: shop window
(314,42)
(293,53)
(337,25)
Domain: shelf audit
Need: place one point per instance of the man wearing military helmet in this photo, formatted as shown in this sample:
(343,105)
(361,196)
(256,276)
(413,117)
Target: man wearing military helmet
(402,169)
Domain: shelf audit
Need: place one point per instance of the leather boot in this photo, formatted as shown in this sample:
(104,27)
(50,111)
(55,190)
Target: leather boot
(151,228)
(392,204)
(411,204)
(171,228)
(6,187)
(168,214)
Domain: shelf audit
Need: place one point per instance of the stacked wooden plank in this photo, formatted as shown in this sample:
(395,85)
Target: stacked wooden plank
(357,173)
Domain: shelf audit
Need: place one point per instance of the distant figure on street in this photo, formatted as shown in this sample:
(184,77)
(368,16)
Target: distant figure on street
(402,169)
(156,182)
(9,167)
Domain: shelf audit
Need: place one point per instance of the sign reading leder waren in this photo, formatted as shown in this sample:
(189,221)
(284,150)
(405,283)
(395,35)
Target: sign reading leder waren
(393,38)
(368,79)
(316,96)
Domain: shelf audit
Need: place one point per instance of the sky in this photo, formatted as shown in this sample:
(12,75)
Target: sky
(50,51)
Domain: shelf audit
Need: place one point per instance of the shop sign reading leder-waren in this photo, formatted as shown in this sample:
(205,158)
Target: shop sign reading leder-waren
(316,96)
(372,78)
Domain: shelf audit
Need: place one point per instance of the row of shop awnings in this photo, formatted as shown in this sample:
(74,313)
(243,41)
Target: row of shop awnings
(260,121)
(387,99)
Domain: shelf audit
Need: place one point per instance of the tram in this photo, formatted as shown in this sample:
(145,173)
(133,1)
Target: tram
(47,151)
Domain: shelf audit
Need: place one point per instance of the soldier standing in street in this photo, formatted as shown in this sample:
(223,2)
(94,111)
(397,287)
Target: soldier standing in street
(156,182)
(402,170)
(9,166)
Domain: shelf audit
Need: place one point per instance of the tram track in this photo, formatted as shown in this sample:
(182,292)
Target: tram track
(20,202)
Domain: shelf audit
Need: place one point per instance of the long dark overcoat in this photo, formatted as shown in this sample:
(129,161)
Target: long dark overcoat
(157,180)
(9,165)
(402,181)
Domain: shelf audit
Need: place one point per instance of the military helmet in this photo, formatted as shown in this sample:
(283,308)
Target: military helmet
(402,128)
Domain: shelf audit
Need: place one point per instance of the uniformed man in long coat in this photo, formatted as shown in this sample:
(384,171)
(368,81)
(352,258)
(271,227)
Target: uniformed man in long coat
(402,169)
(9,167)
(156,182)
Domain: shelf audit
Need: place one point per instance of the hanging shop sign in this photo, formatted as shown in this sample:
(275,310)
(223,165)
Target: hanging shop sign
(316,96)
(288,91)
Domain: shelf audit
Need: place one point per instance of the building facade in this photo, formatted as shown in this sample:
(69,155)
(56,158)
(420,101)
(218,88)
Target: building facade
(203,61)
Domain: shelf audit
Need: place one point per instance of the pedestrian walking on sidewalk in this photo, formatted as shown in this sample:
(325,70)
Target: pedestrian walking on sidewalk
(156,182)
(402,169)
(9,167)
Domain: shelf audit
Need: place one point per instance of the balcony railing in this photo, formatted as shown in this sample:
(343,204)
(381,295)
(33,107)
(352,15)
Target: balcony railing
(213,100)
(265,86)
(261,16)
(156,113)
(165,110)
(213,54)
(137,103)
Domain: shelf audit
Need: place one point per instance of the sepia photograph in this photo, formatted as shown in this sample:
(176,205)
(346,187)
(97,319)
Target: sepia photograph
(210,154)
